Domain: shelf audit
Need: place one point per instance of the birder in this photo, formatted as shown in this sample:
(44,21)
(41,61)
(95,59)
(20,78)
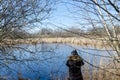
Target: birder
(74,64)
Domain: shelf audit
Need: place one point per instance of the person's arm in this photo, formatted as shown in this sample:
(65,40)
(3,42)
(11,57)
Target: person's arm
(79,63)
(82,63)
(67,63)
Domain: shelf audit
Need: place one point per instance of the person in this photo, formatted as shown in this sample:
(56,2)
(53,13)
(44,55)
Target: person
(74,63)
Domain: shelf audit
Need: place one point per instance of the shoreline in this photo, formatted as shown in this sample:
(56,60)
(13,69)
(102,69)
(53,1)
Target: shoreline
(71,40)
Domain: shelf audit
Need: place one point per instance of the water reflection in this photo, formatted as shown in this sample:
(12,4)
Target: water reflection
(41,61)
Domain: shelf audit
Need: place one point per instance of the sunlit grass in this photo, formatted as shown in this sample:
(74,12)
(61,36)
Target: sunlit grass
(71,40)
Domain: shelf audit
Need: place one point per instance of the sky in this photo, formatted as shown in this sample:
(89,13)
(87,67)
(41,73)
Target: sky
(60,17)
(65,15)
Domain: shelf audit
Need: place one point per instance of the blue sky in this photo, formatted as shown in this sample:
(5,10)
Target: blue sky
(65,15)
(60,16)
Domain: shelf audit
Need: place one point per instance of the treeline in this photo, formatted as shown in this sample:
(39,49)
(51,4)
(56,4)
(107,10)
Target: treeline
(101,32)
(74,32)
(13,34)
(49,32)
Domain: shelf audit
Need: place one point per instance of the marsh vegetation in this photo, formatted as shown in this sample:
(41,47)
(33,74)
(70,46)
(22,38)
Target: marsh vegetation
(35,47)
(47,61)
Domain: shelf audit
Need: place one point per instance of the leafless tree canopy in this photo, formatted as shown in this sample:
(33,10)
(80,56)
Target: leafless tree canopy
(103,13)
(21,13)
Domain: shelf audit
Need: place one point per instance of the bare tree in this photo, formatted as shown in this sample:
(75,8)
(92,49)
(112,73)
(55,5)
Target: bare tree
(22,13)
(104,13)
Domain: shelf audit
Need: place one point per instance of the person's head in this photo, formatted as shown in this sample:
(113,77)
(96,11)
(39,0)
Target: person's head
(74,52)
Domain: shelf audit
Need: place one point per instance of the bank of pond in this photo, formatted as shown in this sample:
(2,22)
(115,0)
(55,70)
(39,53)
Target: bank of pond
(47,61)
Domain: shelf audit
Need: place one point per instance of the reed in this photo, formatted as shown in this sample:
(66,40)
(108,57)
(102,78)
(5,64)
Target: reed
(70,40)
(105,71)
(99,74)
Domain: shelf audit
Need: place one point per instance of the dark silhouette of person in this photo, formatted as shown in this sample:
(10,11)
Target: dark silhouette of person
(74,63)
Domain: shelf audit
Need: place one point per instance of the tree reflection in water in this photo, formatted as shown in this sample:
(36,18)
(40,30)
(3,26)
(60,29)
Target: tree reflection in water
(45,61)
(40,61)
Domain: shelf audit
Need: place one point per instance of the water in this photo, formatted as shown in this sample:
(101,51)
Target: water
(42,61)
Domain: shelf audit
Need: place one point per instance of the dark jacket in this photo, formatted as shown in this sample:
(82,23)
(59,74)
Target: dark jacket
(74,63)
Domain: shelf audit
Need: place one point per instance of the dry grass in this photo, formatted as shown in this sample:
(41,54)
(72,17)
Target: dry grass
(101,75)
(71,40)
(109,71)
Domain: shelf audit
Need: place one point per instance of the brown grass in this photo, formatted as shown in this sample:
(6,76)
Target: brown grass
(109,71)
(71,40)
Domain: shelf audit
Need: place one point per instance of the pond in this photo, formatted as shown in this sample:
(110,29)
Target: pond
(43,61)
